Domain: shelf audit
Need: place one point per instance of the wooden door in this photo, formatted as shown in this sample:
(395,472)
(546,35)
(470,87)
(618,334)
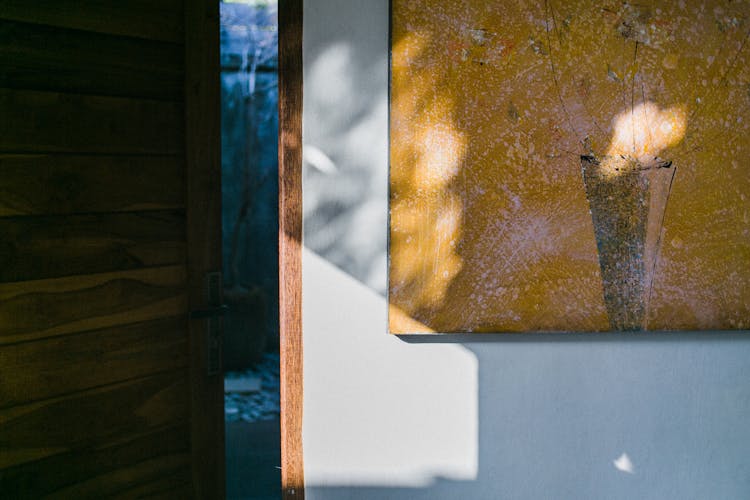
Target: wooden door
(109,223)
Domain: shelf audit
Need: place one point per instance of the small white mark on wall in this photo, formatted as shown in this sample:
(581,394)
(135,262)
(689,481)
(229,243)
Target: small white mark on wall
(624,464)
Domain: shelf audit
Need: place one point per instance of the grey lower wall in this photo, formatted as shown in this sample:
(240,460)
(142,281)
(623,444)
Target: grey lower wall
(657,416)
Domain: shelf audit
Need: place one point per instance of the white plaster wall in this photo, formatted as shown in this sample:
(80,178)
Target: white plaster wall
(516,417)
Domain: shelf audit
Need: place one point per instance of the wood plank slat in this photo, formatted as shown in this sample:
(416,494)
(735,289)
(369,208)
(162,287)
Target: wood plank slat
(149,19)
(47,58)
(114,484)
(163,450)
(42,247)
(176,485)
(49,122)
(45,308)
(32,371)
(63,184)
(52,474)
(86,419)
(290,246)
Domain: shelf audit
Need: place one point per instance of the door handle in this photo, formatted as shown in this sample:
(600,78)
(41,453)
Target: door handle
(213,317)
(211,312)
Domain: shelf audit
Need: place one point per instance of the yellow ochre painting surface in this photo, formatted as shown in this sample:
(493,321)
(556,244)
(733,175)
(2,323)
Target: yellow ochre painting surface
(569,166)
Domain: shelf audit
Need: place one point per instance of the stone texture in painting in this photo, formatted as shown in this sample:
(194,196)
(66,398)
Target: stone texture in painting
(569,166)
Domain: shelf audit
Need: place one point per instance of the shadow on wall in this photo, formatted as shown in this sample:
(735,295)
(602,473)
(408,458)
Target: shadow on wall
(611,416)
(345,177)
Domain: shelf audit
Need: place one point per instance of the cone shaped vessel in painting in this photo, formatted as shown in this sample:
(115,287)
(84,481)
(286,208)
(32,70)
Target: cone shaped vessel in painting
(627,200)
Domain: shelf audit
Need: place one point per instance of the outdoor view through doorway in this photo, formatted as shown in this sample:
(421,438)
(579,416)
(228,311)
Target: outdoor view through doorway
(249,103)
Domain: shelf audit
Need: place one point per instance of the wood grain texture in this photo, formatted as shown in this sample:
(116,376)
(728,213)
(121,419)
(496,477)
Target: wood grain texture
(46,308)
(176,485)
(88,63)
(94,380)
(54,246)
(84,419)
(31,371)
(203,163)
(149,19)
(165,451)
(114,485)
(49,122)
(290,240)
(64,184)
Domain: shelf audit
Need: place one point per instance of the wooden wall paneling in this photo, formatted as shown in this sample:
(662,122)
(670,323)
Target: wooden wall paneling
(95,396)
(45,308)
(63,184)
(95,465)
(43,369)
(49,58)
(290,245)
(176,485)
(54,246)
(119,483)
(203,164)
(88,418)
(149,19)
(49,122)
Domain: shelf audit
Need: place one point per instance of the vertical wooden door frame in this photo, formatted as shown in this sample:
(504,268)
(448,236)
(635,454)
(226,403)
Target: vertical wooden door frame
(290,245)
(203,163)
(203,176)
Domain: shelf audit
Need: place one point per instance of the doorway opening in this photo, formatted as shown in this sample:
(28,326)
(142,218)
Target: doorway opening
(249,119)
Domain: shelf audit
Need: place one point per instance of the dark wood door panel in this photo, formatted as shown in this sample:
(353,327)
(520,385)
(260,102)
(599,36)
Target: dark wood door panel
(88,63)
(37,309)
(168,486)
(111,467)
(149,19)
(119,483)
(49,122)
(87,418)
(203,174)
(42,247)
(49,184)
(110,220)
(47,368)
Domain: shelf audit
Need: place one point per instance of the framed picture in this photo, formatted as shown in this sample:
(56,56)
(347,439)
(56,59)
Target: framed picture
(569,166)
